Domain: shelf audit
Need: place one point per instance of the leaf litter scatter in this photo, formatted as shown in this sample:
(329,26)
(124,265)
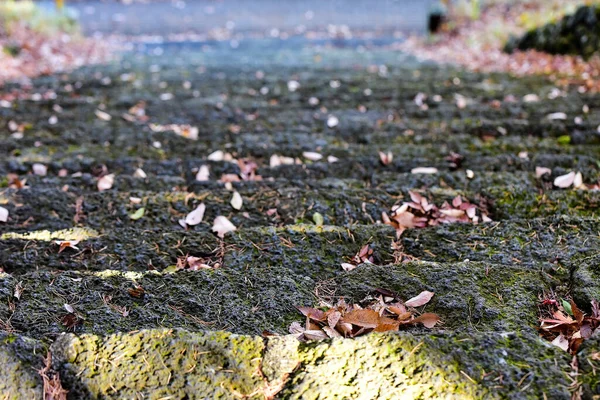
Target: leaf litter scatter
(565,325)
(380,313)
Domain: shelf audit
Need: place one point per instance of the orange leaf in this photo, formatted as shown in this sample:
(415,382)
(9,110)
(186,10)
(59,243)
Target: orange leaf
(387,324)
(576,312)
(428,320)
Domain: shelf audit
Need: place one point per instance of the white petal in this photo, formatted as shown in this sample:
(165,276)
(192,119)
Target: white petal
(274,161)
(139,173)
(222,225)
(557,116)
(236,201)
(332,121)
(203,173)
(196,216)
(104,116)
(578,181)
(106,182)
(564,181)
(424,170)
(311,155)
(216,156)
(541,171)
(39,169)
(3,214)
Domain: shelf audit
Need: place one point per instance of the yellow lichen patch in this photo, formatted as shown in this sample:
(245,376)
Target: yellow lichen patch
(158,363)
(46,235)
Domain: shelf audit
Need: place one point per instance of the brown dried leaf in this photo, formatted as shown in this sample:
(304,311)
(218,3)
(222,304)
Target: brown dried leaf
(315,335)
(332,333)
(428,320)
(363,318)
(313,313)
(387,324)
(333,319)
(561,342)
(576,312)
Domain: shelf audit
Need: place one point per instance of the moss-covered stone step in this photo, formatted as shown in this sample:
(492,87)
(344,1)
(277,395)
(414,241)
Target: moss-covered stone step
(588,357)
(515,203)
(314,251)
(178,173)
(54,209)
(490,136)
(250,298)
(182,364)
(555,243)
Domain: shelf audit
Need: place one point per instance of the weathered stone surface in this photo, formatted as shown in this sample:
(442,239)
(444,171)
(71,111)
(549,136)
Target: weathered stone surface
(180,364)
(495,365)
(19,359)
(588,362)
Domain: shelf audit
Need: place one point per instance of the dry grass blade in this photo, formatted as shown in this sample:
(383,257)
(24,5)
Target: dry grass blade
(53,389)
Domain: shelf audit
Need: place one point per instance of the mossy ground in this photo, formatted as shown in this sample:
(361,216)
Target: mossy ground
(487,278)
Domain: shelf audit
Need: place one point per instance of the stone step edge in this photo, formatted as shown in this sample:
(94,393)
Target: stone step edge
(218,364)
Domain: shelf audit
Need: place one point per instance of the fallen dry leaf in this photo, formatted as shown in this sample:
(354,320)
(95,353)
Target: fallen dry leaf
(567,326)
(383,313)
(363,318)
(348,266)
(428,320)
(419,300)
(138,214)
(139,173)
(66,244)
(222,225)
(557,116)
(578,181)
(216,156)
